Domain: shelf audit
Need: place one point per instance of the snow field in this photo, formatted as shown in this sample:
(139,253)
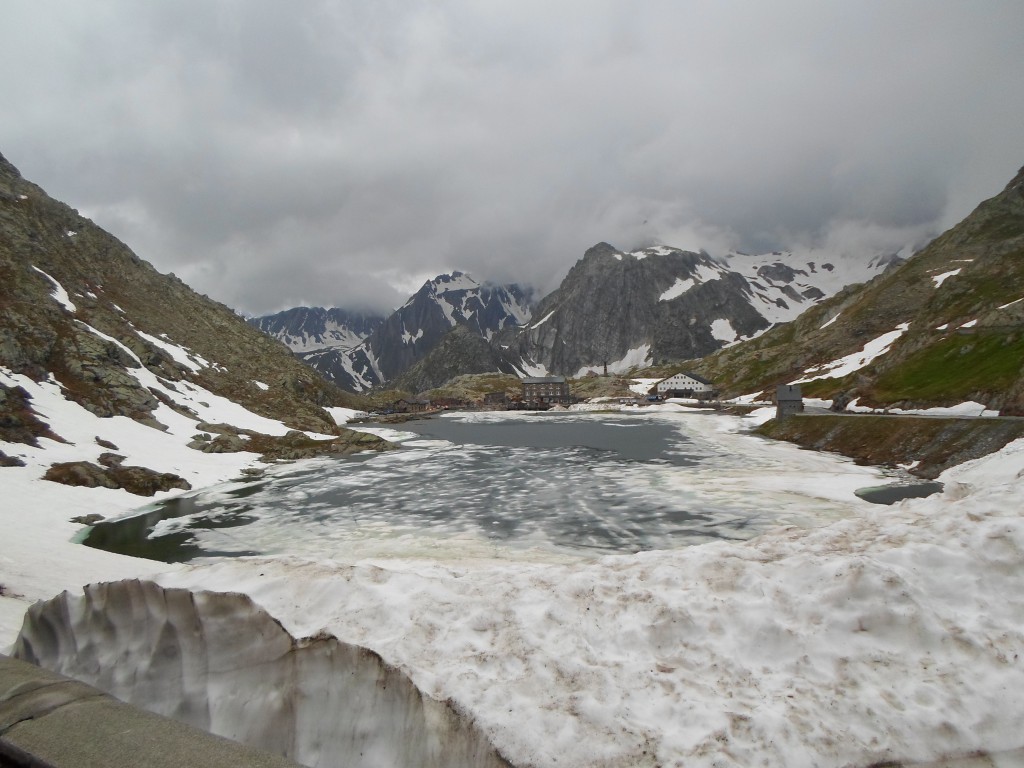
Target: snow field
(638,357)
(856,360)
(38,558)
(894,634)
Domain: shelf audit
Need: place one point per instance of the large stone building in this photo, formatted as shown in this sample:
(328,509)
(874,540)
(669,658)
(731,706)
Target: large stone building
(546,390)
(685,385)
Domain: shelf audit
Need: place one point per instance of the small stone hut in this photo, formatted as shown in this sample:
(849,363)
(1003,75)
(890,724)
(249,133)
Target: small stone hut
(788,400)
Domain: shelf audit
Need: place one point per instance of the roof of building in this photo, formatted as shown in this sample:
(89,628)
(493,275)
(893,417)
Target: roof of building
(788,392)
(693,376)
(544,380)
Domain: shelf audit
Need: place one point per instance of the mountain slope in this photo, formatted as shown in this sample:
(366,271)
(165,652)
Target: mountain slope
(410,333)
(658,304)
(461,352)
(305,329)
(79,309)
(945,327)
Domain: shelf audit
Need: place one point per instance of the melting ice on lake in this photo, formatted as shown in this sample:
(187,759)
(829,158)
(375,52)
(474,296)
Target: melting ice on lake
(526,486)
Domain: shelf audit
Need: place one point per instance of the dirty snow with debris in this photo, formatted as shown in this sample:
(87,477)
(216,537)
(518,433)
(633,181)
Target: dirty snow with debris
(894,633)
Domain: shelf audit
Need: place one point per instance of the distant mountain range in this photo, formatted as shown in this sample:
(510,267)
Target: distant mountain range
(941,327)
(308,329)
(613,309)
(392,346)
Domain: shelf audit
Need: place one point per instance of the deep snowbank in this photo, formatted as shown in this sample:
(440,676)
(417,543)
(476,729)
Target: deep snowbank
(218,662)
(897,634)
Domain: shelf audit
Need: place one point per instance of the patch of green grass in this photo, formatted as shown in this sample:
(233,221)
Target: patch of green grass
(976,293)
(826,388)
(954,367)
(1000,225)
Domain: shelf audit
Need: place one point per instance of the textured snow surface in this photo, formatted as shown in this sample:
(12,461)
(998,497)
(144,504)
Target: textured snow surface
(190,360)
(543,320)
(678,288)
(895,634)
(722,330)
(642,386)
(940,279)
(177,653)
(634,358)
(968,409)
(59,294)
(344,415)
(829,322)
(836,369)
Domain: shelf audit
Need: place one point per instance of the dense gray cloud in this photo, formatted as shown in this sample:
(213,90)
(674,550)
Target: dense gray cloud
(339,153)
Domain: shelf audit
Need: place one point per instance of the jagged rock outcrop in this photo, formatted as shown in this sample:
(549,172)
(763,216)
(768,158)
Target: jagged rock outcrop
(112,474)
(414,330)
(219,662)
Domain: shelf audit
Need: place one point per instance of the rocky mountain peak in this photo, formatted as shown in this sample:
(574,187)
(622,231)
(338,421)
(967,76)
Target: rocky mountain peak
(415,329)
(8,170)
(602,250)
(1017,182)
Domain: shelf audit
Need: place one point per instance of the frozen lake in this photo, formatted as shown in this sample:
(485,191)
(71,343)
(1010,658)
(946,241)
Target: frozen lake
(495,485)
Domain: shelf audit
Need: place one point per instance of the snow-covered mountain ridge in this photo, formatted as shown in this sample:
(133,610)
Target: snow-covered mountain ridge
(785,283)
(651,304)
(659,304)
(306,329)
(416,328)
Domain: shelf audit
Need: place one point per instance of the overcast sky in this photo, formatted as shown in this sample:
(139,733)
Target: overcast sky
(339,153)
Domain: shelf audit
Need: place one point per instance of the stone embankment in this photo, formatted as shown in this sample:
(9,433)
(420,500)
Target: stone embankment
(927,445)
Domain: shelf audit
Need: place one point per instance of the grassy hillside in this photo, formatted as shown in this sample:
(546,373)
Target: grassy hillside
(961,300)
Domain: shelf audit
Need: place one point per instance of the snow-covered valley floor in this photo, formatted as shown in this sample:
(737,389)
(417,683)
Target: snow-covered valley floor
(893,633)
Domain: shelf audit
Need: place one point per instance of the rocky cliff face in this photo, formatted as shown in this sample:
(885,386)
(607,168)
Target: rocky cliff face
(659,304)
(955,313)
(461,352)
(119,337)
(414,330)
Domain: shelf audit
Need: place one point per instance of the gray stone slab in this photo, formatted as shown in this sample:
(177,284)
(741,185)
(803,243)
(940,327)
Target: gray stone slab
(71,725)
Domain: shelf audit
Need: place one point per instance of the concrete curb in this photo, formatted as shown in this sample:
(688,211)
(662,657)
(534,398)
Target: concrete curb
(50,721)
